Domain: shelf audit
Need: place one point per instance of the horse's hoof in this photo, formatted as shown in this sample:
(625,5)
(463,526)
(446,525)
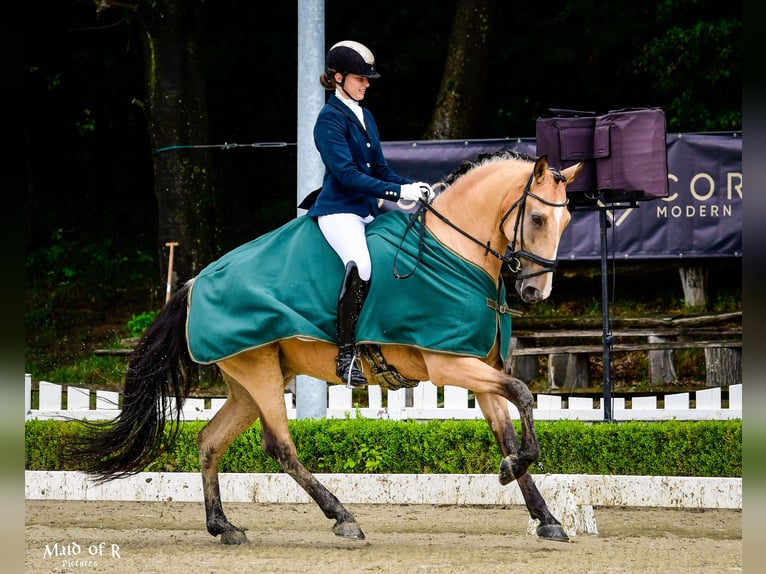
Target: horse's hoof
(348,530)
(510,469)
(234,536)
(552,532)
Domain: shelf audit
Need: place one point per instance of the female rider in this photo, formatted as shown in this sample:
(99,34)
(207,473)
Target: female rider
(356,177)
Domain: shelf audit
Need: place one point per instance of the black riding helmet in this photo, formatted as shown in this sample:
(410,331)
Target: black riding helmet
(349,57)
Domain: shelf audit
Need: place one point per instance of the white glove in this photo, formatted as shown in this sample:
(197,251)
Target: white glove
(427,191)
(416,191)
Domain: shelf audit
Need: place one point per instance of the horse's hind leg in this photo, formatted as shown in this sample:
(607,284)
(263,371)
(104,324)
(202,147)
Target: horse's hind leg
(235,416)
(495,410)
(267,390)
(281,448)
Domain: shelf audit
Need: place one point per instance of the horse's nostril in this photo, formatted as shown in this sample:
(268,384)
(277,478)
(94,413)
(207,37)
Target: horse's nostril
(531,294)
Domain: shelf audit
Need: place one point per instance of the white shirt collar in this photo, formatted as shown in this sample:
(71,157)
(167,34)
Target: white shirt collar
(353,105)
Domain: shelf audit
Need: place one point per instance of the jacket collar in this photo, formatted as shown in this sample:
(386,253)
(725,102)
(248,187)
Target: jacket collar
(335,102)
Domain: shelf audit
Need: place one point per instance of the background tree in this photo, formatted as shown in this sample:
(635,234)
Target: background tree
(463,83)
(694,68)
(176,116)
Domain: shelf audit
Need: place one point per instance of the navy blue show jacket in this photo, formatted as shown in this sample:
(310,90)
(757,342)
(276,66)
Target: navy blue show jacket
(356,173)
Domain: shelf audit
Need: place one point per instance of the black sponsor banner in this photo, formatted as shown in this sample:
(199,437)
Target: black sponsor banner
(701,217)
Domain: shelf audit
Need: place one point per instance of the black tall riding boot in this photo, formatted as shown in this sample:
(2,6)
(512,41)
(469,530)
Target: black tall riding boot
(353,292)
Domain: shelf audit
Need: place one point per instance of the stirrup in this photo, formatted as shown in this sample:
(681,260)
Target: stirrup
(348,371)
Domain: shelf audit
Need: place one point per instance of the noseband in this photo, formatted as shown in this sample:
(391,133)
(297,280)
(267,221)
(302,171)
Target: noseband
(512,256)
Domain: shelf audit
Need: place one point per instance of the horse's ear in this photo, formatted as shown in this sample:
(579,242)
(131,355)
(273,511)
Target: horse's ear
(572,172)
(541,168)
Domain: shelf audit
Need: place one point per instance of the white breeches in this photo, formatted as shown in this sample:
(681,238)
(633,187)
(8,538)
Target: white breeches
(345,234)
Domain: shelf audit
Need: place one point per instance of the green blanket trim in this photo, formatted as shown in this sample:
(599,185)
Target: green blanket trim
(285,284)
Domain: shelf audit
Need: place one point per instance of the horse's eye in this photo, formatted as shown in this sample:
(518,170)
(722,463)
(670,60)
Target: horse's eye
(538,219)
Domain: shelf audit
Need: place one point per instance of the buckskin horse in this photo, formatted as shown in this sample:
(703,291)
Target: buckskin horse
(256,315)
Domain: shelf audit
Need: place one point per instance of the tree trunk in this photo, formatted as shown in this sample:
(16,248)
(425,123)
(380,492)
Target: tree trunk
(462,86)
(694,283)
(177,119)
(524,368)
(662,364)
(724,366)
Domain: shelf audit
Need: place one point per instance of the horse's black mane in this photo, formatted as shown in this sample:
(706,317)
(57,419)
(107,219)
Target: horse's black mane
(482,159)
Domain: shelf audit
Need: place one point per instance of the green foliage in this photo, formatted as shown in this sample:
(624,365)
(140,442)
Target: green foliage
(137,324)
(43,442)
(667,448)
(246,452)
(72,292)
(696,66)
(90,371)
(65,266)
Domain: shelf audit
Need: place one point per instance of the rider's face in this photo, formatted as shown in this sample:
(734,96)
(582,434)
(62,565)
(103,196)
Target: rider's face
(355,86)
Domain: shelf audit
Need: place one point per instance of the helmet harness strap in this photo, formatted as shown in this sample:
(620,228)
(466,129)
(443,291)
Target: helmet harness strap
(343,87)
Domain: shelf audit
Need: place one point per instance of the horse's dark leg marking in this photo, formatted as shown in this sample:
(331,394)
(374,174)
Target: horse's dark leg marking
(519,457)
(283,451)
(236,416)
(495,411)
(549,528)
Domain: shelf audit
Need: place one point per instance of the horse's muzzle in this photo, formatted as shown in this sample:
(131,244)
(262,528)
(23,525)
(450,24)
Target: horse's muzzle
(528,293)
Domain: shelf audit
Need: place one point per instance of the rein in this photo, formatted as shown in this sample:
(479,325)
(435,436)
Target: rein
(511,256)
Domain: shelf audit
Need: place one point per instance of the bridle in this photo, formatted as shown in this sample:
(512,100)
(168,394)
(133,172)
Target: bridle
(512,256)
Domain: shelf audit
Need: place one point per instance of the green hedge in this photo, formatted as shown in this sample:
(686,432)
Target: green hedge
(667,448)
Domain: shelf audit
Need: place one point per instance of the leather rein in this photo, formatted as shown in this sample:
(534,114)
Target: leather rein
(512,256)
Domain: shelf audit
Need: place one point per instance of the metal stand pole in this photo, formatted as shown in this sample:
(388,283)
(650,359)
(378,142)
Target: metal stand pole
(607,338)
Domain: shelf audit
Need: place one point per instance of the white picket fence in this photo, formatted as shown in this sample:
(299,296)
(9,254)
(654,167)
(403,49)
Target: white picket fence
(426,405)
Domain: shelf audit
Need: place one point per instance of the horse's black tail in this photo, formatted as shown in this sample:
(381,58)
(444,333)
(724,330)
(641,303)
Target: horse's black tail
(158,371)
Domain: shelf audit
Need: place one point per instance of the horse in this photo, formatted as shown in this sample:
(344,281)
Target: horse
(502,208)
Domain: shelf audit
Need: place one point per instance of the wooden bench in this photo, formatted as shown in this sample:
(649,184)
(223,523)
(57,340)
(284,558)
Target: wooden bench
(126,348)
(568,349)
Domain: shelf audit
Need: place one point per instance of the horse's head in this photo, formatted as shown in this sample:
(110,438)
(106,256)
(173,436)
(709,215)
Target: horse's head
(532,216)
(533,225)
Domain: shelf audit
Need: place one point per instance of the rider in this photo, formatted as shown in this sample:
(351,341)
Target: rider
(356,177)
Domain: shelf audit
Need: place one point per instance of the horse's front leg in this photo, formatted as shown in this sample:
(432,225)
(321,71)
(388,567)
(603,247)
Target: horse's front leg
(495,409)
(518,456)
(478,376)
(515,465)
